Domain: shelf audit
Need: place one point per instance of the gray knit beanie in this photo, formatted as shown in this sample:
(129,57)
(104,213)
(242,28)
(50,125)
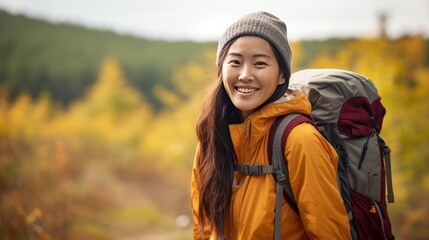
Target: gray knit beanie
(261,24)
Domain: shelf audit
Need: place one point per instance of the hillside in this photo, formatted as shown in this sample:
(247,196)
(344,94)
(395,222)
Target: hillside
(64,59)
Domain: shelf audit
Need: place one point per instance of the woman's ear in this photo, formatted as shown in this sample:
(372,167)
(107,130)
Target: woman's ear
(281,79)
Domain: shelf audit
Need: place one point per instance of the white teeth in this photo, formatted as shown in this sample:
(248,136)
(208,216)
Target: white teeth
(246,90)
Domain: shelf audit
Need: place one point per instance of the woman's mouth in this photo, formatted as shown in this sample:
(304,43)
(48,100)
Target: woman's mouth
(246,90)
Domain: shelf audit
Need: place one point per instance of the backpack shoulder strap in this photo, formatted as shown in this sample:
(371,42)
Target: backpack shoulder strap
(276,147)
(279,133)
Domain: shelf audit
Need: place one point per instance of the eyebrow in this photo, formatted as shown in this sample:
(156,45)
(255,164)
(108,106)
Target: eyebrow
(255,55)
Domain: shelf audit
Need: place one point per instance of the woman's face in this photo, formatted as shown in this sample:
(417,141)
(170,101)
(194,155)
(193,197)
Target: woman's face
(250,73)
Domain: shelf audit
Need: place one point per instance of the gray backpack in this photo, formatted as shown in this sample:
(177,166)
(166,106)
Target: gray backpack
(347,110)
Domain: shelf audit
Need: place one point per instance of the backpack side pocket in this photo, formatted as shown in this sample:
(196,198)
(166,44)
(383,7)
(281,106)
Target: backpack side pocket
(370,216)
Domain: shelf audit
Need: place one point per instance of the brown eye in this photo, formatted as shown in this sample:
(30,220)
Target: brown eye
(260,63)
(234,62)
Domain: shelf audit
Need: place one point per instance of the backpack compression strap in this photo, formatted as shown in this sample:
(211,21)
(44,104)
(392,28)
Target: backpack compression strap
(276,148)
(386,152)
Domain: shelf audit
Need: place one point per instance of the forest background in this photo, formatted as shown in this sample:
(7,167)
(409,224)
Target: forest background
(97,130)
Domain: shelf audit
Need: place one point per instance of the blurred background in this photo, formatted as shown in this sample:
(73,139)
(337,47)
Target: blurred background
(99,100)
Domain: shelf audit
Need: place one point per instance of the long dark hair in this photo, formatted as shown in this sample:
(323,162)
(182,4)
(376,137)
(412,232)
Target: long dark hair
(216,156)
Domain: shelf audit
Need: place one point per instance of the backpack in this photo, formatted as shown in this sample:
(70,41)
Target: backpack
(347,111)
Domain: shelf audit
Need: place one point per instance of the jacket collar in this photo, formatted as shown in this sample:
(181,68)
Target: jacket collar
(258,124)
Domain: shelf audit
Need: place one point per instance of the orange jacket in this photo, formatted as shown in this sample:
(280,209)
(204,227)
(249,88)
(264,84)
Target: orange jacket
(312,164)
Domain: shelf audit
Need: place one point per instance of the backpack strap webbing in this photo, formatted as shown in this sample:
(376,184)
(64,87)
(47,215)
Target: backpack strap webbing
(386,152)
(276,147)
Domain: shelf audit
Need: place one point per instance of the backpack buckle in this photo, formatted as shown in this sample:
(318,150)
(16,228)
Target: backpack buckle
(280,176)
(253,169)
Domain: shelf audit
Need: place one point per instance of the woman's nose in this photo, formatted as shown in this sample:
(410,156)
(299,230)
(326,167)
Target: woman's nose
(246,73)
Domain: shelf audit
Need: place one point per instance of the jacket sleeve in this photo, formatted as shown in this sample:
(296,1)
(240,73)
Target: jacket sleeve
(312,164)
(195,196)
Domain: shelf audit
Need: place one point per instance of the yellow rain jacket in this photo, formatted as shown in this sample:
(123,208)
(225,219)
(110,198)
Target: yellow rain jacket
(312,164)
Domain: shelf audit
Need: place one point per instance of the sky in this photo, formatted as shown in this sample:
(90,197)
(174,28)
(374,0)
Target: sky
(203,20)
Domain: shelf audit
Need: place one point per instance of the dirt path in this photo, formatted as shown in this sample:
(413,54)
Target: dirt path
(173,235)
(127,194)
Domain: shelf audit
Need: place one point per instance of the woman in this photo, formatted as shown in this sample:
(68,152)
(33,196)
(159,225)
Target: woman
(254,66)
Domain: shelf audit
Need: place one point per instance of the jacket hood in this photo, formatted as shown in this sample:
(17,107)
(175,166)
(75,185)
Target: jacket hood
(259,122)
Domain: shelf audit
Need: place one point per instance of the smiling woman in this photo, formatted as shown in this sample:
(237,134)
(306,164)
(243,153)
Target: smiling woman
(250,73)
(253,60)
